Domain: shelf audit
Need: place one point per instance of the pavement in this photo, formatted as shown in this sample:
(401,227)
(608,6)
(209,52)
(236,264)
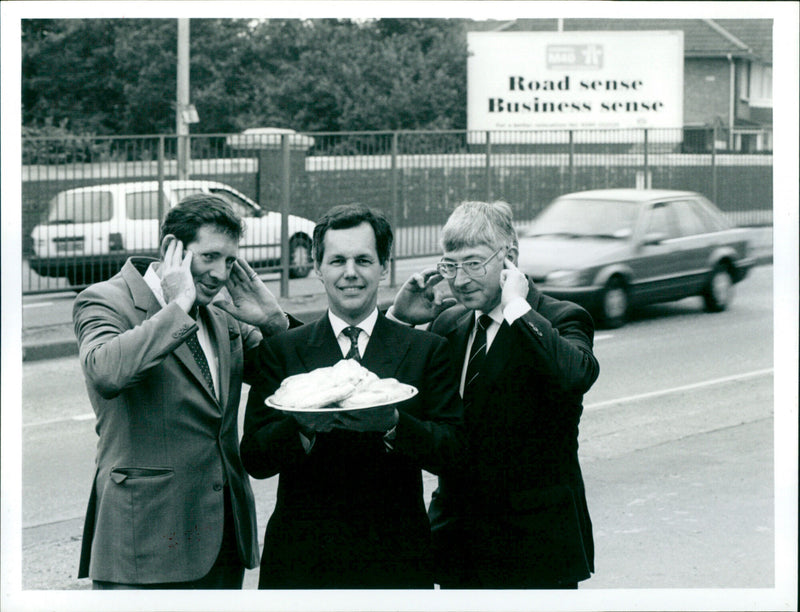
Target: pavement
(58,339)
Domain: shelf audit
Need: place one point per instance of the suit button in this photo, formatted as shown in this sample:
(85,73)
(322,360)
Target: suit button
(217,487)
(181,331)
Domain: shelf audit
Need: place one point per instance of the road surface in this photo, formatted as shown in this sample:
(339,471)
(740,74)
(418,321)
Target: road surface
(676,448)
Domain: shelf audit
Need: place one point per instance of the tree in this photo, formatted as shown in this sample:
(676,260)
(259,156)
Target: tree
(117,76)
(377,75)
(69,72)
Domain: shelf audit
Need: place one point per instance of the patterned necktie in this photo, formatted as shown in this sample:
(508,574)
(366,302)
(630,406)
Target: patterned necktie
(477,355)
(197,352)
(352,333)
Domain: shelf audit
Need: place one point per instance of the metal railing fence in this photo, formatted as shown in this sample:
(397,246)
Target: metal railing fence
(415,178)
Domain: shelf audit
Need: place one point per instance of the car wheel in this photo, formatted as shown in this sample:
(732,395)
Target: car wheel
(719,289)
(75,277)
(299,256)
(614,303)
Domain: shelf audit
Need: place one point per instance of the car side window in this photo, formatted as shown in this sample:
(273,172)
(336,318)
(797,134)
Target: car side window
(143,204)
(80,207)
(690,223)
(661,221)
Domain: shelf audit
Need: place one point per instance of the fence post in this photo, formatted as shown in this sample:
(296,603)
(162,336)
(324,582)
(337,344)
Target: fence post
(572,160)
(285,202)
(160,165)
(714,164)
(395,208)
(183,157)
(488,166)
(647,184)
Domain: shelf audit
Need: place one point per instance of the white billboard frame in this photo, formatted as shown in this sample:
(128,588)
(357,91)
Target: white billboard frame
(604,86)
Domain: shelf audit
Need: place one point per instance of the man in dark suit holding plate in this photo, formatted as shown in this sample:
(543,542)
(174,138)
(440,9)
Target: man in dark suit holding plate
(350,511)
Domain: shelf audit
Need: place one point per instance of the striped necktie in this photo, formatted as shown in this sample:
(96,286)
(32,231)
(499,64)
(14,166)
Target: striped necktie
(352,333)
(477,355)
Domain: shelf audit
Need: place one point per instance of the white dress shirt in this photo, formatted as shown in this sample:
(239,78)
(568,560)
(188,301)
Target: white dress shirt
(366,326)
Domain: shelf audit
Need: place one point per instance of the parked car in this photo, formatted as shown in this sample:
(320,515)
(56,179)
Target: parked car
(612,249)
(90,231)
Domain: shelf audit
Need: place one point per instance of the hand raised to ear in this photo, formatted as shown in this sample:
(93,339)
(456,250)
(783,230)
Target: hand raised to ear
(251,300)
(513,282)
(418,302)
(177,281)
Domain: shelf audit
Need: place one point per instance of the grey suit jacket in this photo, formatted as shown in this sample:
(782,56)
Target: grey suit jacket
(167,446)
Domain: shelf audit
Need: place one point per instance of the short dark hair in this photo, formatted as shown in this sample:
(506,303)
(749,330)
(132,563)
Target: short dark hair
(194,211)
(346,216)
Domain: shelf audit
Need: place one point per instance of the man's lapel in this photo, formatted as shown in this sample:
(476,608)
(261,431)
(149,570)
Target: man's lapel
(459,335)
(143,298)
(322,349)
(386,348)
(221,336)
(499,353)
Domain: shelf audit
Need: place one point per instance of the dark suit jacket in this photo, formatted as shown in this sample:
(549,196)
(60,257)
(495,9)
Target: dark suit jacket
(166,444)
(520,502)
(350,514)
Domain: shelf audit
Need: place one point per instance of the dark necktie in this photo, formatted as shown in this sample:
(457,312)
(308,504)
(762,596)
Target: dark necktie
(352,333)
(197,352)
(477,355)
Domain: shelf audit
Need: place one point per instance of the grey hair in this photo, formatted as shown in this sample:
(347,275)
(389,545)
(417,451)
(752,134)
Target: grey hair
(473,224)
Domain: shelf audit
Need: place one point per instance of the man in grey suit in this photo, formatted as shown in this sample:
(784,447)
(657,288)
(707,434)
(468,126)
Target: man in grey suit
(164,358)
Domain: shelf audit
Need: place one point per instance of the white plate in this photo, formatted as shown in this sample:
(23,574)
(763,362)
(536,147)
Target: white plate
(409,392)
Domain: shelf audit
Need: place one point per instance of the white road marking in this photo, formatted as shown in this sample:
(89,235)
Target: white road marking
(87,416)
(603,337)
(37,304)
(705,383)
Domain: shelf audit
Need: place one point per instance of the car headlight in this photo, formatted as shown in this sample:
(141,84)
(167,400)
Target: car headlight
(564,278)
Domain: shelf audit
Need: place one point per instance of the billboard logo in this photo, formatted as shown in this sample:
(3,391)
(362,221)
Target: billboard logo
(574,56)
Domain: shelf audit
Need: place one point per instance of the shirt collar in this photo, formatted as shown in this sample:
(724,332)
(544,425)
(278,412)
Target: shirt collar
(495,313)
(366,325)
(153,280)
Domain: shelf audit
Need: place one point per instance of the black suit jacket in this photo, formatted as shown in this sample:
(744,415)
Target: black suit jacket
(518,503)
(350,513)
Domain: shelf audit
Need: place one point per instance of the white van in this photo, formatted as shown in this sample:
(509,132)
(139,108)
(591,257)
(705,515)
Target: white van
(91,231)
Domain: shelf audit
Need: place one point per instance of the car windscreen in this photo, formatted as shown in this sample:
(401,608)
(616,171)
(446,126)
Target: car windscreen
(80,207)
(577,218)
(182,192)
(242,208)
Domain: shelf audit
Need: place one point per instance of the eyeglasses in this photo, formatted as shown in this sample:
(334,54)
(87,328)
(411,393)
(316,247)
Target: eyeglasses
(473,268)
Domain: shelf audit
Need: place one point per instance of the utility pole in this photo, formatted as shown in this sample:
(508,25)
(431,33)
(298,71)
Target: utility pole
(182,106)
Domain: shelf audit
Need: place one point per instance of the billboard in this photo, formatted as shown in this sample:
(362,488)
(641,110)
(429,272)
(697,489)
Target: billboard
(564,81)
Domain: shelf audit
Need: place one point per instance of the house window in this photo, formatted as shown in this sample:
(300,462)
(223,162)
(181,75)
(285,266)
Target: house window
(743,79)
(760,85)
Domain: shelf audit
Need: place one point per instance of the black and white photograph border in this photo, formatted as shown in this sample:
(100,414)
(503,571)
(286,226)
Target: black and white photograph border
(782,596)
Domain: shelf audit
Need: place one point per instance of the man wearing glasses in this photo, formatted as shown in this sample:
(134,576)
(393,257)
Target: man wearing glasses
(515,516)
